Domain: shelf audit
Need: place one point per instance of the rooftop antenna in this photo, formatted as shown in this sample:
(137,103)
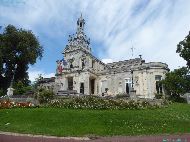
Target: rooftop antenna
(132,49)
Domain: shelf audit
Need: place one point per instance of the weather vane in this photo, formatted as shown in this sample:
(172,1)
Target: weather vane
(132,49)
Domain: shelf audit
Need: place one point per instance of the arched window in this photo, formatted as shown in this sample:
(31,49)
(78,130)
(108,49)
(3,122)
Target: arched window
(71,63)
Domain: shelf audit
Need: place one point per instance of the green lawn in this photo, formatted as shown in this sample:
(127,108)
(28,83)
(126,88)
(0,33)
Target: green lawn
(66,122)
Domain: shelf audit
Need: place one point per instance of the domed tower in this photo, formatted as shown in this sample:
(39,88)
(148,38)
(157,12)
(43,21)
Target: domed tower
(78,40)
(80,24)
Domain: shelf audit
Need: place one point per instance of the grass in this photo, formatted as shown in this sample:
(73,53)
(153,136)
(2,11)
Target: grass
(67,122)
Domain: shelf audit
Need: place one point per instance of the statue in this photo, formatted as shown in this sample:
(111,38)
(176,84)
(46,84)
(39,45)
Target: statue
(10,91)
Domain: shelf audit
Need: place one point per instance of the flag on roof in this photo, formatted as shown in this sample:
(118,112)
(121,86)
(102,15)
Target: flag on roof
(63,61)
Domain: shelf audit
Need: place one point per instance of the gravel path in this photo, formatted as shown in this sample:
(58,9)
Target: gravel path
(14,137)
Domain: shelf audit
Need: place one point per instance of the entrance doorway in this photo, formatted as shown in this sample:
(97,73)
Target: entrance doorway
(127,88)
(82,88)
(128,85)
(92,84)
(158,78)
(70,83)
(158,87)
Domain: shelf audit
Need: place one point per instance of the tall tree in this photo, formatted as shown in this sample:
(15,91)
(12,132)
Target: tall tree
(183,48)
(21,47)
(177,82)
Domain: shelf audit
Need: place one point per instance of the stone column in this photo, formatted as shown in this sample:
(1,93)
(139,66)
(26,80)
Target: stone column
(95,86)
(86,84)
(65,83)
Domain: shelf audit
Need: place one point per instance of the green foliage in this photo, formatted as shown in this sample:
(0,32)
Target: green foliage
(44,95)
(21,47)
(183,48)
(158,96)
(177,83)
(122,96)
(2,92)
(36,82)
(20,88)
(68,122)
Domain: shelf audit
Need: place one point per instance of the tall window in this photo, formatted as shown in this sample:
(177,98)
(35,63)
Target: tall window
(83,63)
(158,78)
(93,63)
(128,85)
(71,63)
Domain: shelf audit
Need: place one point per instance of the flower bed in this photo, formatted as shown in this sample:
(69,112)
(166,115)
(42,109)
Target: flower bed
(10,104)
(91,102)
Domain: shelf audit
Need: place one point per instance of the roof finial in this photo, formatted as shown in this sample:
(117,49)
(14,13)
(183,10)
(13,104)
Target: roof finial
(81,16)
(132,49)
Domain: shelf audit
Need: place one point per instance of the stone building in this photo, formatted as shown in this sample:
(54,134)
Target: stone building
(82,73)
(47,83)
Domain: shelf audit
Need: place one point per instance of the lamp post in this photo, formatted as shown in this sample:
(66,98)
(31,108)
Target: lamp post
(15,67)
(10,89)
(132,79)
(133,91)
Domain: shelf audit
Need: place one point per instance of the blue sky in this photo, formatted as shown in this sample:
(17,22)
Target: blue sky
(152,27)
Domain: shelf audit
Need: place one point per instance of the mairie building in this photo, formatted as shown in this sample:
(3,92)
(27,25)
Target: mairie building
(80,72)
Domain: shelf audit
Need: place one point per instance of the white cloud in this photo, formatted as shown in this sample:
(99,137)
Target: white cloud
(107,61)
(154,31)
(154,27)
(33,74)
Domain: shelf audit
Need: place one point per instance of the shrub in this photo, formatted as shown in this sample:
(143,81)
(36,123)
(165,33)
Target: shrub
(90,102)
(20,88)
(10,104)
(158,96)
(177,98)
(124,95)
(44,96)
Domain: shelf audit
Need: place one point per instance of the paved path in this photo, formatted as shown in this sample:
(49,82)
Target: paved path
(14,137)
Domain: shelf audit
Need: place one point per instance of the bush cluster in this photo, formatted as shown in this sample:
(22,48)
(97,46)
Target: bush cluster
(21,89)
(44,95)
(1,92)
(91,102)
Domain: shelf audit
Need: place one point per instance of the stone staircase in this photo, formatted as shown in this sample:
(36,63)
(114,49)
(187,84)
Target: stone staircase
(66,92)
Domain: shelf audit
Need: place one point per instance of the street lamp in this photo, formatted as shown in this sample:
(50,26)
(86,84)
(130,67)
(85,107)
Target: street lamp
(10,89)
(15,67)
(133,91)
(132,79)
